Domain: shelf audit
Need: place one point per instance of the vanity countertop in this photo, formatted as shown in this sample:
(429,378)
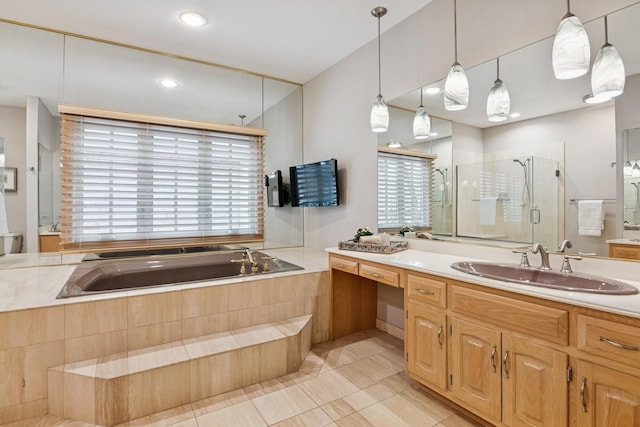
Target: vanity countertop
(635,242)
(439,264)
(33,280)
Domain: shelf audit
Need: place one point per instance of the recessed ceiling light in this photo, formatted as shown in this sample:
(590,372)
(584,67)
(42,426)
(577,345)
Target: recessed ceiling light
(394,144)
(590,99)
(514,115)
(170,83)
(433,134)
(193,19)
(433,90)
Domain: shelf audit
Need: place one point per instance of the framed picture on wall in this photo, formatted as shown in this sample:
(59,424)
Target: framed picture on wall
(10,180)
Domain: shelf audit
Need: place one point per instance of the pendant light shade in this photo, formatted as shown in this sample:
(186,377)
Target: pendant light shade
(608,75)
(379,111)
(635,171)
(456,86)
(571,53)
(498,102)
(628,169)
(421,122)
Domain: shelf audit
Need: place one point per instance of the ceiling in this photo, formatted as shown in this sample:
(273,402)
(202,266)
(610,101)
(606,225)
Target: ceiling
(288,39)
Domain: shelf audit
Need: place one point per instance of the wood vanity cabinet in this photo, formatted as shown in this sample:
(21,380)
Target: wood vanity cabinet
(49,242)
(620,250)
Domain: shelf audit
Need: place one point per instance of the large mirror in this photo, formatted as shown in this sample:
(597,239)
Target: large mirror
(555,151)
(49,68)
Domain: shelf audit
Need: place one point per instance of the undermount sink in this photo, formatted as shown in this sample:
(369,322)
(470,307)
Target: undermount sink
(575,282)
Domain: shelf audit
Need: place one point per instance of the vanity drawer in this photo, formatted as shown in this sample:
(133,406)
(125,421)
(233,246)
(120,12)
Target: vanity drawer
(380,274)
(343,264)
(548,323)
(426,289)
(609,339)
(624,251)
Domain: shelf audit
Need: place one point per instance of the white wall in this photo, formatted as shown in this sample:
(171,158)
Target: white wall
(13,128)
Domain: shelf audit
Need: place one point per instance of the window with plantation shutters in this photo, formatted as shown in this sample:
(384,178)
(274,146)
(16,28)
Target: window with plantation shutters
(405,189)
(158,182)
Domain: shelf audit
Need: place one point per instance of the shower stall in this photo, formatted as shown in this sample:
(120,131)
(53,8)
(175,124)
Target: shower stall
(442,206)
(511,200)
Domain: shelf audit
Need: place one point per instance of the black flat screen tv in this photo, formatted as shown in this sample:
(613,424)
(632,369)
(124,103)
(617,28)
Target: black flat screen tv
(315,184)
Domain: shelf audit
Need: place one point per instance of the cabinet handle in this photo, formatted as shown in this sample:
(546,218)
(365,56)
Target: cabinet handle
(377,276)
(505,361)
(424,291)
(619,345)
(494,367)
(440,337)
(341,265)
(583,392)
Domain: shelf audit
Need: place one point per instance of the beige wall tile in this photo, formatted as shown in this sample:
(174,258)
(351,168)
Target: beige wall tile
(210,345)
(156,357)
(248,317)
(37,359)
(55,392)
(283,310)
(159,389)
(215,374)
(112,401)
(35,326)
(248,295)
(12,363)
(92,346)
(285,288)
(151,335)
(79,398)
(257,334)
(146,310)
(91,318)
(25,410)
(205,325)
(204,301)
(181,416)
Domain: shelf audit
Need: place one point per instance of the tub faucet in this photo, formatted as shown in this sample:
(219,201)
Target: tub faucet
(537,247)
(254,264)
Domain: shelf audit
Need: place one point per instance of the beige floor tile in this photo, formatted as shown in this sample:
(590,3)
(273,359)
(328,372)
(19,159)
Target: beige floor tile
(338,409)
(397,382)
(242,414)
(357,420)
(313,418)
(365,373)
(340,356)
(425,403)
(269,386)
(156,357)
(259,334)
(398,411)
(286,403)
(218,402)
(328,387)
(369,396)
(369,347)
(457,421)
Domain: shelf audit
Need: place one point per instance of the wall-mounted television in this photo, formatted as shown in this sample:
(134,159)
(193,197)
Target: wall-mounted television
(315,184)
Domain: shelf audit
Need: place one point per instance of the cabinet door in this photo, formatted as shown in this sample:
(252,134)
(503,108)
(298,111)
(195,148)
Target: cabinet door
(426,345)
(607,398)
(534,384)
(475,366)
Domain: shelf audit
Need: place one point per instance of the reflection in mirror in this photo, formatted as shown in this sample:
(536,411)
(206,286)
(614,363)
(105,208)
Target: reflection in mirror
(49,68)
(552,123)
(438,143)
(631,172)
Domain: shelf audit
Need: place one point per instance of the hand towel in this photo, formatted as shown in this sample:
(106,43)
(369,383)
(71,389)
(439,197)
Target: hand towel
(590,217)
(488,210)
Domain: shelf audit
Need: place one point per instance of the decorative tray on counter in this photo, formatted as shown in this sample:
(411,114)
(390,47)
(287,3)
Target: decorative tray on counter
(377,248)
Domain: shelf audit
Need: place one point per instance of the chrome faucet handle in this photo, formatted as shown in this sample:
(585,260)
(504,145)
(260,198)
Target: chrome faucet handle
(243,270)
(265,262)
(566,265)
(524,261)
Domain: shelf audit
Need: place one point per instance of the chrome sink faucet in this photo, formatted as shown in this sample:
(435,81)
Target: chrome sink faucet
(537,247)
(566,244)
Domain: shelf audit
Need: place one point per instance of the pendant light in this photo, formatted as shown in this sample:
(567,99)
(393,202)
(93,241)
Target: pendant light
(379,111)
(627,170)
(571,53)
(456,86)
(635,171)
(607,76)
(421,122)
(498,102)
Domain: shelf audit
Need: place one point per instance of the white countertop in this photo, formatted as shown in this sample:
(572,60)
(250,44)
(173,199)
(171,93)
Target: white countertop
(439,264)
(33,280)
(625,241)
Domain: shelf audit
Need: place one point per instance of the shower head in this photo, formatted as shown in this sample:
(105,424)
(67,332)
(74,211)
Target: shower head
(521,162)
(440,172)
(635,184)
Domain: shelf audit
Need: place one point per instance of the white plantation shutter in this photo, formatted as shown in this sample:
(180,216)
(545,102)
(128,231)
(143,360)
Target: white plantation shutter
(405,189)
(140,184)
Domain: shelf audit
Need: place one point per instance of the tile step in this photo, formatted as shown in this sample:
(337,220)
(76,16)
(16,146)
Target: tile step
(120,387)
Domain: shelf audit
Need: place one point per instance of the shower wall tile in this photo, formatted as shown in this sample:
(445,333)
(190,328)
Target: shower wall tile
(92,318)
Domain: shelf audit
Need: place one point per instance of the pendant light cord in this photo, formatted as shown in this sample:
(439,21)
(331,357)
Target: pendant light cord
(606,31)
(379,62)
(498,68)
(455,30)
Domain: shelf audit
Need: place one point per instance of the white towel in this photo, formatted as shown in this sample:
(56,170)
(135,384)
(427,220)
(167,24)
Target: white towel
(590,217)
(488,210)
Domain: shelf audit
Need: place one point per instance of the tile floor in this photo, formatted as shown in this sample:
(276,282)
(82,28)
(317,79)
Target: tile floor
(355,381)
